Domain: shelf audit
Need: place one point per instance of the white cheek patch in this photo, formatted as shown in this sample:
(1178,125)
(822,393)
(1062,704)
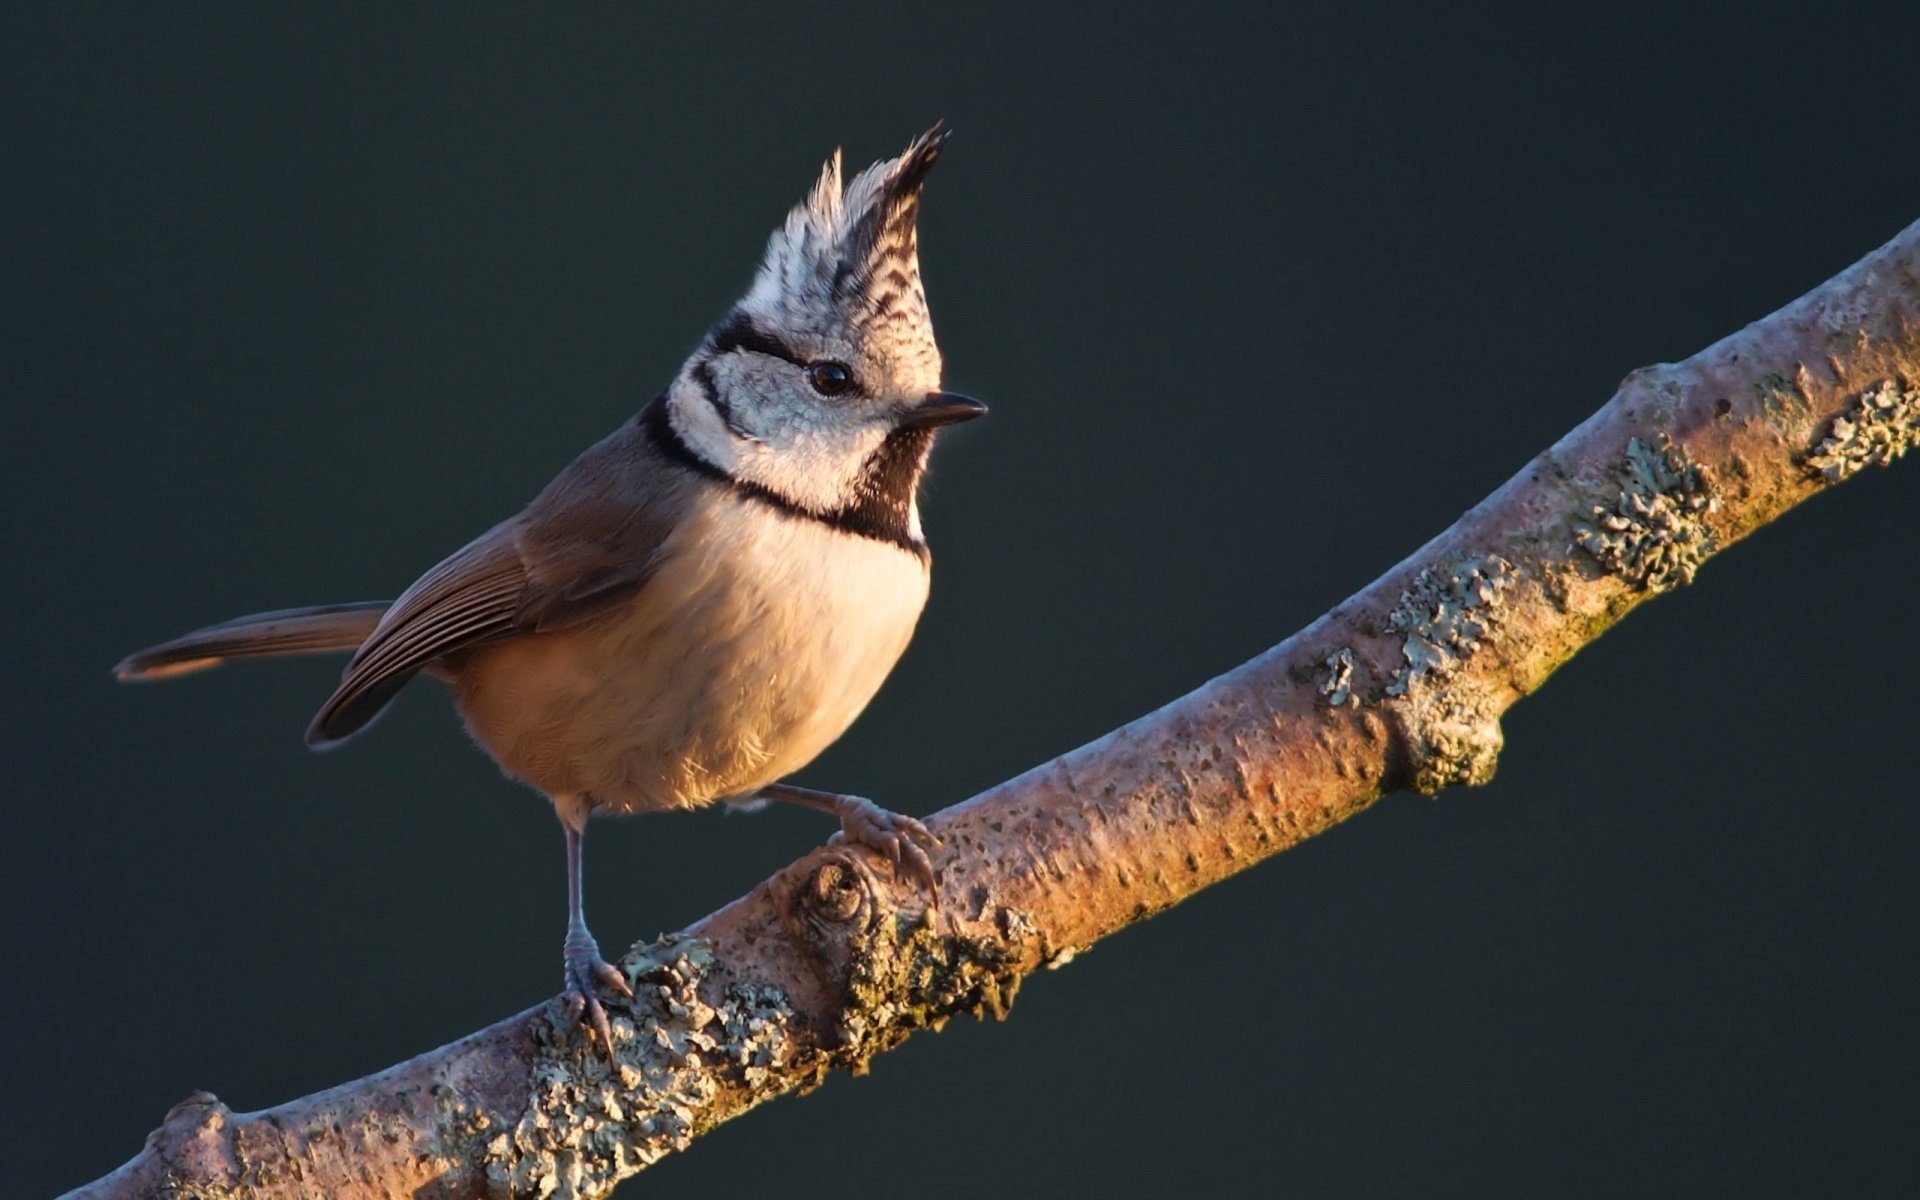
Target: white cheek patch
(758,428)
(815,468)
(768,401)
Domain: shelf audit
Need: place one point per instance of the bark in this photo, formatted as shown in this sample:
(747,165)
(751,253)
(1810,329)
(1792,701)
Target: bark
(1402,686)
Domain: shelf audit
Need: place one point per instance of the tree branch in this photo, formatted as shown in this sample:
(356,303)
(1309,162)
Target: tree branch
(1402,686)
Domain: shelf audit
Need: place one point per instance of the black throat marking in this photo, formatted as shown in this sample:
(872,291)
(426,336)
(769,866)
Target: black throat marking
(882,505)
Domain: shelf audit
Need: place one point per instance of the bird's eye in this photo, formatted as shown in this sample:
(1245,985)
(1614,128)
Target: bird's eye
(829,378)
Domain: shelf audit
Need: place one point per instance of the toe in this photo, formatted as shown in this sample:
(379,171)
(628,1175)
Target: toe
(585,1008)
(613,979)
(595,1018)
(586,971)
(920,866)
(904,840)
(918,832)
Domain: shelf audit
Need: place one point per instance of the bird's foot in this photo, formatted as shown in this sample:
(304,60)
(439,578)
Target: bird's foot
(585,969)
(902,839)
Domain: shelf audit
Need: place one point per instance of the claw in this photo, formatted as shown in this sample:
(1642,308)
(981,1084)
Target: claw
(921,868)
(904,840)
(612,979)
(585,968)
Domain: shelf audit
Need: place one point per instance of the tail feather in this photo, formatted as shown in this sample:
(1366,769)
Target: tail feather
(322,629)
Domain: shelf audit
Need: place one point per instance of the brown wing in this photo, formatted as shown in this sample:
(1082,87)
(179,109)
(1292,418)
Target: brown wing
(592,537)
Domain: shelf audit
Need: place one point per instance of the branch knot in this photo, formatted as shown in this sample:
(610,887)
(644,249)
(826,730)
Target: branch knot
(834,894)
(1448,725)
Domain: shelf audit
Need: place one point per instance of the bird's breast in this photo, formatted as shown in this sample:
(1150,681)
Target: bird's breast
(753,645)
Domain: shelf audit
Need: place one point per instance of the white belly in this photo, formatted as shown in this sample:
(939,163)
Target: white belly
(754,646)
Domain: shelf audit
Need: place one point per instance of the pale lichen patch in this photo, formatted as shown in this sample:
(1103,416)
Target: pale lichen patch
(590,1123)
(1450,727)
(1461,743)
(1445,614)
(1882,425)
(1654,534)
(1336,685)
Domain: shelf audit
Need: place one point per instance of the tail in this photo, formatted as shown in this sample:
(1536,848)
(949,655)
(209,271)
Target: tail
(322,629)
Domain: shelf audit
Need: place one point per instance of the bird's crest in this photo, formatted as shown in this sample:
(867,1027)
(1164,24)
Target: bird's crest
(849,255)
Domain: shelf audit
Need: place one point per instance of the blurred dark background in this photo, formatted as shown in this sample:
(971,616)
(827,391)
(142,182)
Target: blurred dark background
(296,302)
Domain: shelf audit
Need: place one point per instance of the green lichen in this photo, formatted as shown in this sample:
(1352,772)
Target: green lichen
(1882,425)
(904,975)
(894,969)
(684,1060)
(460,1127)
(1777,397)
(590,1122)
(1654,534)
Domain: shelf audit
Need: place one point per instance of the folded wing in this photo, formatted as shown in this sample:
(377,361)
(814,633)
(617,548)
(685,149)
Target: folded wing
(593,537)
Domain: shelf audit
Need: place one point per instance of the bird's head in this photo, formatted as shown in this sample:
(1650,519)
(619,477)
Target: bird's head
(829,362)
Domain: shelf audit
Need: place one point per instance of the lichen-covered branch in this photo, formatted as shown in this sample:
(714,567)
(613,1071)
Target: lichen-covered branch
(1401,687)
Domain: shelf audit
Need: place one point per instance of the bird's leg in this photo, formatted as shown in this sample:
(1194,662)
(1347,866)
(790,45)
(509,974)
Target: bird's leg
(585,967)
(901,838)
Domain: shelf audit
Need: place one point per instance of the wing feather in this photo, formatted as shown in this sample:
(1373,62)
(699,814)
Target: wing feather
(468,598)
(590,539)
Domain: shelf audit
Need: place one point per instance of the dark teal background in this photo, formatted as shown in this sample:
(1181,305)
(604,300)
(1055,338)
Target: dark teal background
(297,300)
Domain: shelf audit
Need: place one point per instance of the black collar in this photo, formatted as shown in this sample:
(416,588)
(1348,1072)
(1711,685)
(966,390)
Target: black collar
(882,504)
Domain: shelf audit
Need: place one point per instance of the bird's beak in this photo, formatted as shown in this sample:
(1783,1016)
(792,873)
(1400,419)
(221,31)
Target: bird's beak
(942,408)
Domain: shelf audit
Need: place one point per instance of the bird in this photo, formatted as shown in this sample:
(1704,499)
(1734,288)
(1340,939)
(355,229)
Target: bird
(705,599)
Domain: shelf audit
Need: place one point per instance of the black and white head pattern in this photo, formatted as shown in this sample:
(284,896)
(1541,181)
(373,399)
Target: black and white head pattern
(799,392)
(848,262)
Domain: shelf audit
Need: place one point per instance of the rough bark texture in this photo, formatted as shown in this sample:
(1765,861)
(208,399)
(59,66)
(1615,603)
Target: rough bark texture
(1401,687)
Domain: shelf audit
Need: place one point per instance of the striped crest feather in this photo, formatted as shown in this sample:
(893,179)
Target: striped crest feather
(847,259)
